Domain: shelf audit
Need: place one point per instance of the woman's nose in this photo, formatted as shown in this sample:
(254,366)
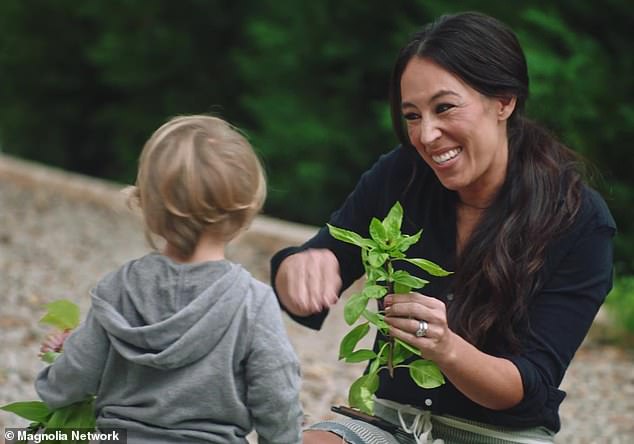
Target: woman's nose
(429,132)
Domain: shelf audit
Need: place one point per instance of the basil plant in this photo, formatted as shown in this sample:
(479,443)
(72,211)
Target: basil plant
(386,246)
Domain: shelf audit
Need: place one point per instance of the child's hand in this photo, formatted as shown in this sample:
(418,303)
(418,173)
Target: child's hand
(54,342)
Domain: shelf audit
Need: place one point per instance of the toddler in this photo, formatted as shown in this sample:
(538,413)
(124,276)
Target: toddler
(182,345)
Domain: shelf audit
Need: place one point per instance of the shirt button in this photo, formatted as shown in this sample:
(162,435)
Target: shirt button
(450,297)
(428,402)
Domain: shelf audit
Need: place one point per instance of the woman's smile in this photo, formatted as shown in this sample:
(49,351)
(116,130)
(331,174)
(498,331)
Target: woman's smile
(445,158)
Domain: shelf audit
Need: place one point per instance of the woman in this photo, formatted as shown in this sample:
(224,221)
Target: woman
(503,205)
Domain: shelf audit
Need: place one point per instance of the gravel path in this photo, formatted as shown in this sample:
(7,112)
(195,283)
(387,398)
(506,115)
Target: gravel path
(59,233)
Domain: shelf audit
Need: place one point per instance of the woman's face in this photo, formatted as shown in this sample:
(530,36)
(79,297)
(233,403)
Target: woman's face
(460,133)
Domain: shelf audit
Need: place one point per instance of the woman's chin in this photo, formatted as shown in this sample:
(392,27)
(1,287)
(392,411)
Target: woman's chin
(451,183)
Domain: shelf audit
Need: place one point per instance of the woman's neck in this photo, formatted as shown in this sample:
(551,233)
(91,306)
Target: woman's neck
(480,207)
(481,199)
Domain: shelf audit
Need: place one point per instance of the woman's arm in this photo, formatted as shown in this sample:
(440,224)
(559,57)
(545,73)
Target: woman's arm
(522,384)
(310,278)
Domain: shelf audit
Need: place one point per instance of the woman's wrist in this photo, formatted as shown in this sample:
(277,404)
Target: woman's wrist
(450,356)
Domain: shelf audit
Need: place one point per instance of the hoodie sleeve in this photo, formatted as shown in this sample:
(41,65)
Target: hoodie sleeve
(76,373)
(273,379)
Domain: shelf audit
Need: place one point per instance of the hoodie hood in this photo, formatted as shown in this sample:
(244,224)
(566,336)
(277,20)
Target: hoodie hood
(163,314)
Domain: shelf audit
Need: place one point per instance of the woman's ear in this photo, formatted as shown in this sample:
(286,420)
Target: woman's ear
(506,106)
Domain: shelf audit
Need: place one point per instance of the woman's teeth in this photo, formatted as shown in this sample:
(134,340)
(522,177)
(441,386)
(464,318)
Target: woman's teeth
(446,156)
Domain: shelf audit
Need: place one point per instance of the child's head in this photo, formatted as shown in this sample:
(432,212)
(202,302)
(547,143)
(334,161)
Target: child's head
(198,174)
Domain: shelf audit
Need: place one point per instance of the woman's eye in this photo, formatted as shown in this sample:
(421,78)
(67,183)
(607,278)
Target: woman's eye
(411,116)
(441,108)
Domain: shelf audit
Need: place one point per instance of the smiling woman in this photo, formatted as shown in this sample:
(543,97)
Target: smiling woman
(460,133)
(504,205)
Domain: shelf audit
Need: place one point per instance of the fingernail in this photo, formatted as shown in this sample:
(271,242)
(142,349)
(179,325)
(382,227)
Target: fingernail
(388,309)
(388,300)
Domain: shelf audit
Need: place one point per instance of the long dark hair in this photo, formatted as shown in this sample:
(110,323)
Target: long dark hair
(498,269)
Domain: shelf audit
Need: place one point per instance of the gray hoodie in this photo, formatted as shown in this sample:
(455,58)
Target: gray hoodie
(182,353)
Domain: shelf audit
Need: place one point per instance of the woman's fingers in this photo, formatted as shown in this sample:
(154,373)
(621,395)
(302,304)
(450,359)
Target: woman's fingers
(308,282)
(409,327)
(415,306)
(408,313)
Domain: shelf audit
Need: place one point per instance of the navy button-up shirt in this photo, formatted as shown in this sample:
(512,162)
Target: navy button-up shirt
(576,276)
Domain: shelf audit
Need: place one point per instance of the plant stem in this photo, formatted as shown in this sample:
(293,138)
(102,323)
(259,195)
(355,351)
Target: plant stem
(390,351)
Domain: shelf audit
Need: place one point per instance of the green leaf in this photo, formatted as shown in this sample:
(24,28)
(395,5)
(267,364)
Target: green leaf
(382,356)
(429,267)
(377,231)
(361,355)
(377,274)
(407,241)
(374,291)
(87,417)
(350,237)
(400,353)
(393,221)
(59,418)
(81,414)
(404,278)
(350,341)
(78,415)
(50,357)
(62,314)
(402,289)
(362,391)
(31,410)
(354,307)
(412,349)
(383,352)
(395,254)
(374,365)
(375,318)
(376,259)
(426,374)
(34,427)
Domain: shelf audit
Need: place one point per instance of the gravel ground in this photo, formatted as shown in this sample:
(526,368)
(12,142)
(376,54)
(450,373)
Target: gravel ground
(59,233)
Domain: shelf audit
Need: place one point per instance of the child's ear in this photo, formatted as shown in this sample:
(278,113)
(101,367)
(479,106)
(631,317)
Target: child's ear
(506,106)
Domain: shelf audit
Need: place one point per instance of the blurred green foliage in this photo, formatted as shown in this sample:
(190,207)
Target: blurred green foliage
(83,84)
(620,304)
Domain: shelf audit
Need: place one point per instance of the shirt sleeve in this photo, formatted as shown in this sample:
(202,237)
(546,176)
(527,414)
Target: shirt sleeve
(76,373)
(273,379)
(561,316)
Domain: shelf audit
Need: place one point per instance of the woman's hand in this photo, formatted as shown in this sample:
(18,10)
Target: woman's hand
(308,282)
(487,380)
(407,313)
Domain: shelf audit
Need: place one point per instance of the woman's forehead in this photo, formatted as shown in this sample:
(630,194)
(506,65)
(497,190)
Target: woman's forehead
(423,79)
